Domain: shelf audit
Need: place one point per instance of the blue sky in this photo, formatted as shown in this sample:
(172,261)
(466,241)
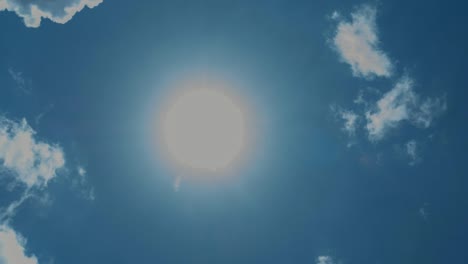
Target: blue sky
(358,154)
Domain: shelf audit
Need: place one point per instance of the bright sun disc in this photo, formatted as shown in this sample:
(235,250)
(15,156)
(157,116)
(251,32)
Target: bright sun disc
(204,128)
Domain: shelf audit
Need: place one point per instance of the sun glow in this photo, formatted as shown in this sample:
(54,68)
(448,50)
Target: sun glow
(204,128)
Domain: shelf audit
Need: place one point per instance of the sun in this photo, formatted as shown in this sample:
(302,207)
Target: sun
(204,128)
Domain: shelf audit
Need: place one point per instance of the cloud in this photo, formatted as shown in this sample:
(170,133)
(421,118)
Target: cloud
(324,260)
(22,83)
(6,214)
(423,212)
(31,162)
(401,104)
(349,117)
(81,171)
(58,11)
(335,15)
(360,99)
(90,194)
(82,185)
(411,150)
(39,117)
(357,43)
(392,108)
(428,109)
(12,248)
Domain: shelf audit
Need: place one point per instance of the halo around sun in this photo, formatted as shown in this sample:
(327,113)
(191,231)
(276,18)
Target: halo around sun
(204,127)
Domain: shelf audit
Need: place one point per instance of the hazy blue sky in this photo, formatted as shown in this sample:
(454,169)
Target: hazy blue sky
(360,122)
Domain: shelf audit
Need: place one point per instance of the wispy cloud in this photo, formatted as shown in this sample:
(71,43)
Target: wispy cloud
(349,118)
(412,151)
(429,109)
(29,161)
(39,117)
(335,15)
(58,11)
(6,214)
(392,108)
(23,84)
(12,248)
(350,123)
(357,43)
(325,260)
(82,185)
(81,171)
(423,211)
(401,104)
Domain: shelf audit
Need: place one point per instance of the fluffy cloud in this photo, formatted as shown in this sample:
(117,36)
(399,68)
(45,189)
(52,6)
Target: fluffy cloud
(357,43)
(401,104)
(58,11)
(32,162)
(325,260)
(12,248)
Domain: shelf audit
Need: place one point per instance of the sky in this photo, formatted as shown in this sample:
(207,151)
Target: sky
(358,123)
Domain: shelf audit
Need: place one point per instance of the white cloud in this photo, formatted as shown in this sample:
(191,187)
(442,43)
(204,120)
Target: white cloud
(357,43)
(82,185)
(428,109)
(356,40)
(360,99)
(58,11)
(81,171)
(12,248)
(392,108)
(91,195)
(401,104)
(349,117)
(335,15)
(324,260)
(32,162)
